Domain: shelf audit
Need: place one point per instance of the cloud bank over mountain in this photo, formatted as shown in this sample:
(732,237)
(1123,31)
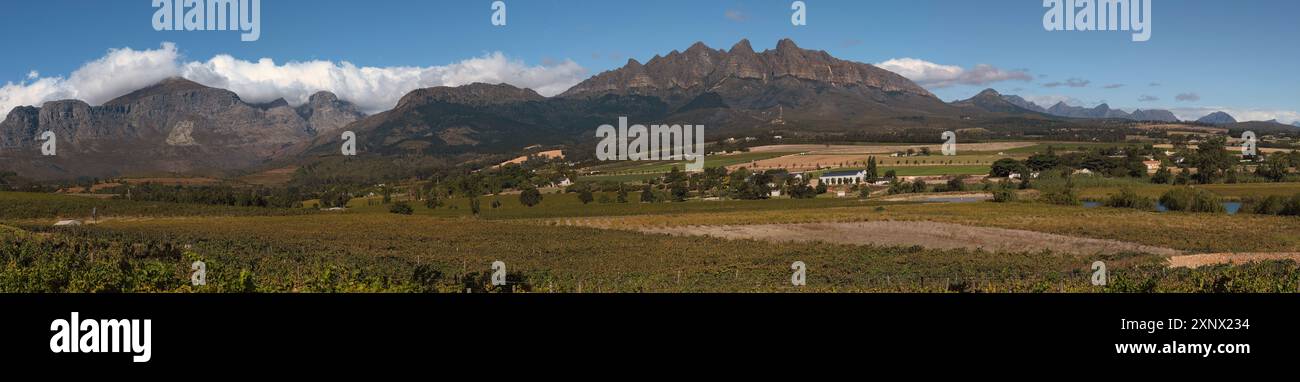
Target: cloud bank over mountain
(374,89)
(932,75)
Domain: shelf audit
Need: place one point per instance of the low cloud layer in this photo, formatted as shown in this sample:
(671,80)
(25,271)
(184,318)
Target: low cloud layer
(1073,82)
(932,75)
(374,89)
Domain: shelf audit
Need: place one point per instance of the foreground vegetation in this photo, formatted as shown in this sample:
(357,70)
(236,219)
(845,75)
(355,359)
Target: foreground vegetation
(371,250)
(23,205)
(389,253)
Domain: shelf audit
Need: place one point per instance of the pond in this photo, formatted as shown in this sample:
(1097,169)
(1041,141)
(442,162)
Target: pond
(1231,207)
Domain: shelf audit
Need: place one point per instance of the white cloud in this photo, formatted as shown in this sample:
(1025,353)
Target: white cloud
(118,72)
(932,75)
(1047,101)
(1243,115)
(374,89)
(735,15)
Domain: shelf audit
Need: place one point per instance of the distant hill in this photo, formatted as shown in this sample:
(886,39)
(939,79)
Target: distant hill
(1103,111)
(1024,104)
(1262,127)
(990,100)
(1217,118)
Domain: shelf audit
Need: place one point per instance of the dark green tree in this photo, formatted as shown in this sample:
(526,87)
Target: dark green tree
(530,197)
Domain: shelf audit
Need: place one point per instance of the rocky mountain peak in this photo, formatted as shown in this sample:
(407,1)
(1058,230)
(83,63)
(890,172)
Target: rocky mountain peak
(742,47)
(786,45)
(697,48)
(686,76)
(322,97)
(325,112)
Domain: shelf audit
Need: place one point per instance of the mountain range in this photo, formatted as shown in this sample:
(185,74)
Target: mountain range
(179,126)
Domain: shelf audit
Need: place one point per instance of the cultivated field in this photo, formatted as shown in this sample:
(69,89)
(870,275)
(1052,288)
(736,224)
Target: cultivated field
(563,245)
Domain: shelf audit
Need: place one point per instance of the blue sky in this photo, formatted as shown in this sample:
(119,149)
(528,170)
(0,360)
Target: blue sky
(1237,55)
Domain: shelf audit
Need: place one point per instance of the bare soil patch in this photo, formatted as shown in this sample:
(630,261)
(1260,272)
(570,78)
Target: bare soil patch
(1196,261)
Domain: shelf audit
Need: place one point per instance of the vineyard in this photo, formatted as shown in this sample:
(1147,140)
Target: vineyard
(21,205)
(556,247)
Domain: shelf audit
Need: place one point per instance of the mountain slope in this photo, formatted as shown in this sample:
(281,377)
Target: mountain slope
(1153,115)
(174,126)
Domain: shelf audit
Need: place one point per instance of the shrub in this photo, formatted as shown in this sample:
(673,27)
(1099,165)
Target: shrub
(401,208)
(1004,195)
(425,279)
(957,184)
(647,194)
(919,186)
(245,283)
(1270,205)
(1126,198)
(1062,195)
(1192,200)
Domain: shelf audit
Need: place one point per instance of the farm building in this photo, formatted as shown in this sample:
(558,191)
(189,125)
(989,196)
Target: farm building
(1152,166)
(833,178)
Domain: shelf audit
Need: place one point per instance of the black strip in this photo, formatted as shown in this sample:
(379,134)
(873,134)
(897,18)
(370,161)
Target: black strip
(358,331)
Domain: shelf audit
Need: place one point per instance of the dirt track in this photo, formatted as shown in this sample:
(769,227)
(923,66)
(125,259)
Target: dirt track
(925,234)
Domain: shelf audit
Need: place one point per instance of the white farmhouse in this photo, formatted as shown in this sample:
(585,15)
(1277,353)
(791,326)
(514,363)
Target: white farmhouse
(835,178)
